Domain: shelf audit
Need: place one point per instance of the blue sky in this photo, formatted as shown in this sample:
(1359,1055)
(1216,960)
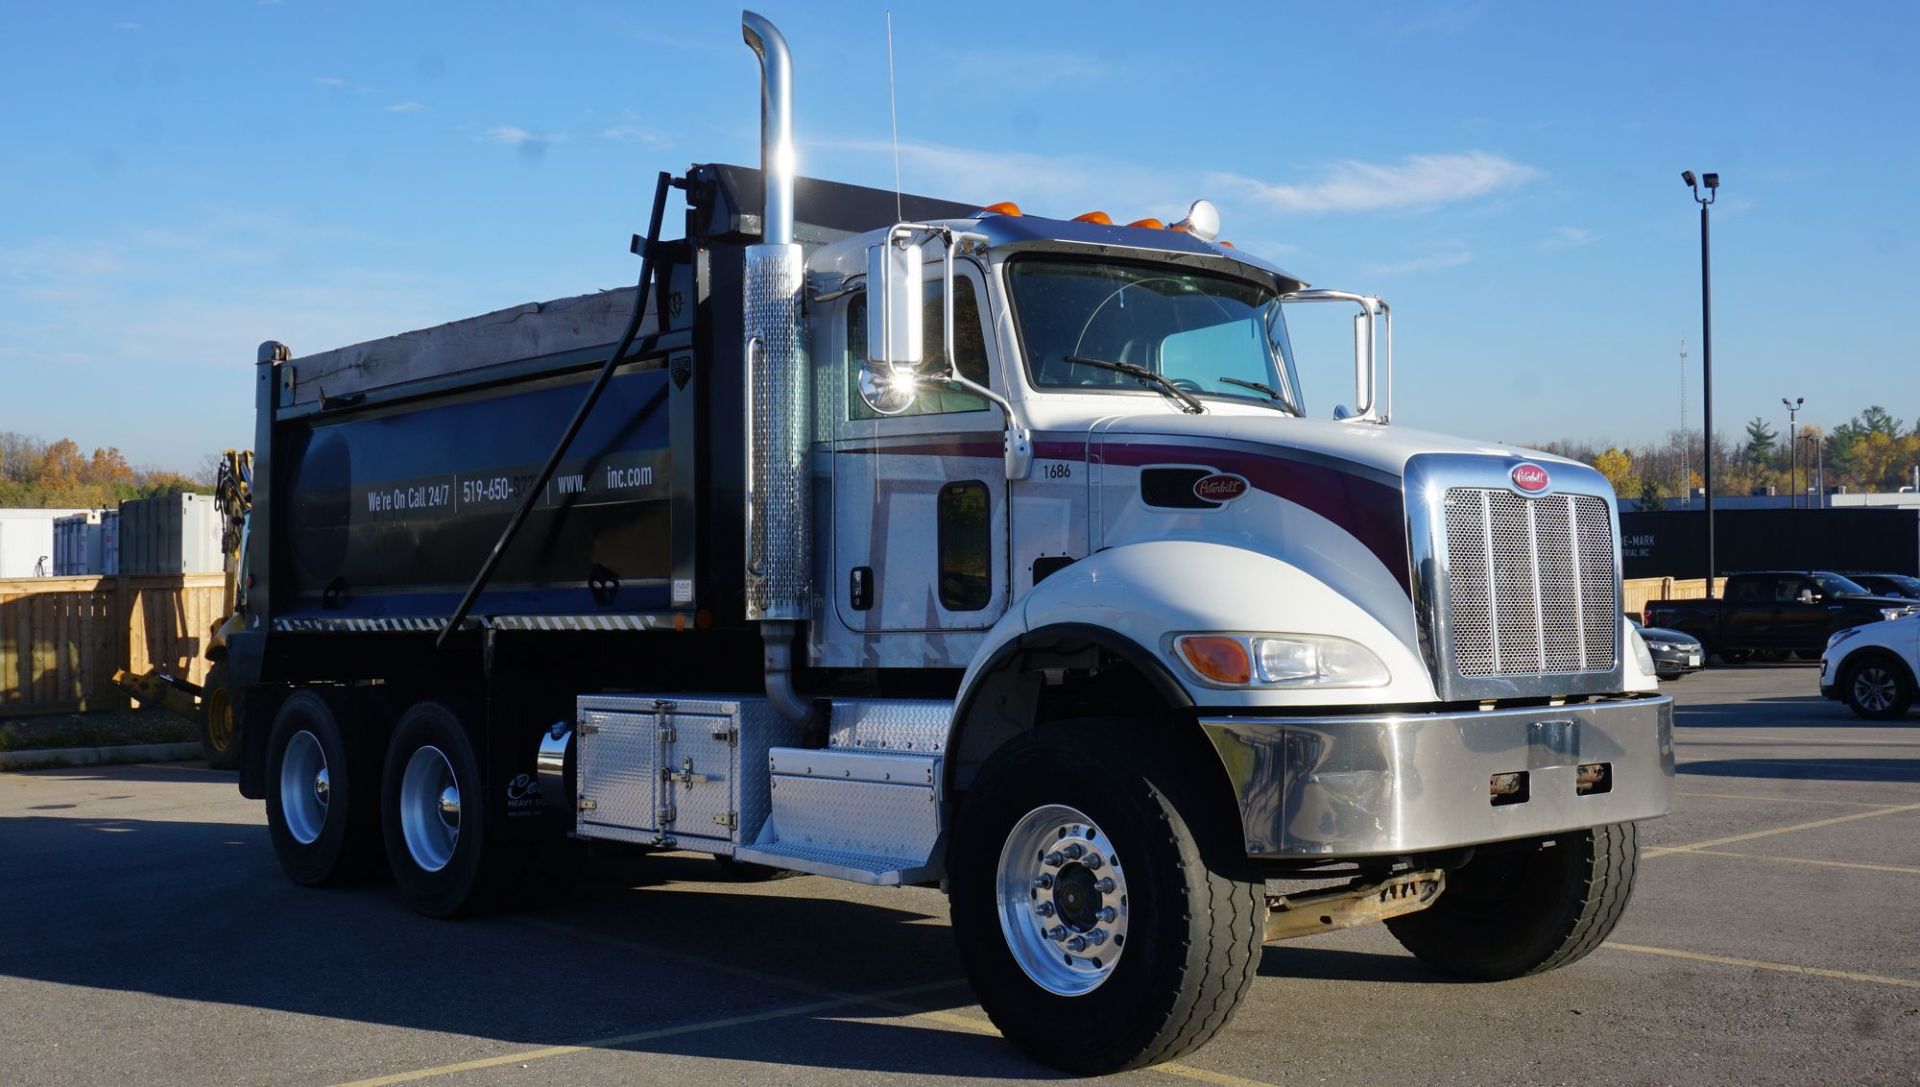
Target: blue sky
(183,180)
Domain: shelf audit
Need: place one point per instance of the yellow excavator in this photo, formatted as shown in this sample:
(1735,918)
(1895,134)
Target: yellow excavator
(211,705)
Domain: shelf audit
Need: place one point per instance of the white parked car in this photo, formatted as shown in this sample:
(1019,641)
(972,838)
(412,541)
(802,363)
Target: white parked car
(1872,667)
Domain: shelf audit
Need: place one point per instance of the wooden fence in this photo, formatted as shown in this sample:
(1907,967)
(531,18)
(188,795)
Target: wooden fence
(1641,590)
(62,637)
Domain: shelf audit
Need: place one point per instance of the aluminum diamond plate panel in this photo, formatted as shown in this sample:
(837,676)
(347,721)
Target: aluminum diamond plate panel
(844,764)
(619,770)
(895,724)
(863,817)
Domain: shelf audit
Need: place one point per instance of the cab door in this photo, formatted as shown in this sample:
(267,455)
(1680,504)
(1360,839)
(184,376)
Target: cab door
(921,518)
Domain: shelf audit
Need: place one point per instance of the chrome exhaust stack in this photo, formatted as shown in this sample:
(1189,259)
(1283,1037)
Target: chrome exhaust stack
(778,422)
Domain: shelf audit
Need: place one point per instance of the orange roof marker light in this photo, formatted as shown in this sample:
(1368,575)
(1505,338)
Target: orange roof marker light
(1148,224)
(1100,218)
(1004,207)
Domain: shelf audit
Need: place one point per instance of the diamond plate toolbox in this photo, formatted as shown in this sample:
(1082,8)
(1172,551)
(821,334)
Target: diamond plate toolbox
(676,770)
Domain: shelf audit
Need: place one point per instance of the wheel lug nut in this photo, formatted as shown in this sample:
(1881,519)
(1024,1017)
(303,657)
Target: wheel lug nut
(1055,859)
(1043,882)
(1105,886)
(1093,860)
(1044,909)
(1097,937)
(1108,914)
(1078,943)
(1075,851)
(1057,933)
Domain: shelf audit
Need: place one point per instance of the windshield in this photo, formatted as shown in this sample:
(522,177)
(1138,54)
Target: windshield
(1209,335)
(1835,585)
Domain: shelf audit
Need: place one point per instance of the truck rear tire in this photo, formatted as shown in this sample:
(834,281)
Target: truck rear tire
(1876,687)
(1527,909)
(1095,935)
(220,717)
(322,792)
(434,815)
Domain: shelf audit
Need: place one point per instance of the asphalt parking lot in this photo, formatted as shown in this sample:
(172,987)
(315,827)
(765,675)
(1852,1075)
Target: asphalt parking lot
(147,936)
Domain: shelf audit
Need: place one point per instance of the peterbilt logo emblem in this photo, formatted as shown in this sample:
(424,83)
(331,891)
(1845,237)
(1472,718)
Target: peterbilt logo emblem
(1219,487)
(1530,478)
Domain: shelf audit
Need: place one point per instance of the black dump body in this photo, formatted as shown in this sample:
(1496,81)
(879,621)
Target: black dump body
(388,479)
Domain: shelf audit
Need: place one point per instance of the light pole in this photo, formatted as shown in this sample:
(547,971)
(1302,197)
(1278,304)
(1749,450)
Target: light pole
(1706,346)
(1820,476)
(1793,451)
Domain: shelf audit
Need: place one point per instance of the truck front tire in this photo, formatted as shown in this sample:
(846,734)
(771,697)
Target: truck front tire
(321,792)
(1094,934)
(1527,908)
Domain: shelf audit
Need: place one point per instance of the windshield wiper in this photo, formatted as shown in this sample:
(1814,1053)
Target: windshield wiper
(1190,404)
(1272,393)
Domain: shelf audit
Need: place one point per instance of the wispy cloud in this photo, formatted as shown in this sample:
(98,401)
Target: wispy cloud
(633,134)
(1417,182)
(1059,185)
(1449,256)
(407,107)
(514,134)
(1029,70)
(1437,20)
(1567,237)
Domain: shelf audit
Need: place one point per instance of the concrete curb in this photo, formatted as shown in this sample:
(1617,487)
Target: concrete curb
(96,756)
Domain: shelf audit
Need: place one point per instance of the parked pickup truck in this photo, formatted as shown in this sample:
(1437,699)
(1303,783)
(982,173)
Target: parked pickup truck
(1773,613)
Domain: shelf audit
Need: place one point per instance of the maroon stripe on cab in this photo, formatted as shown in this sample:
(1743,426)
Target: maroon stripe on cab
(1371,511)
(934,448)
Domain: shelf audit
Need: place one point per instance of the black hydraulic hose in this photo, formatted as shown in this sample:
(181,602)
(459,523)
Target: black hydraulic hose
(539,484)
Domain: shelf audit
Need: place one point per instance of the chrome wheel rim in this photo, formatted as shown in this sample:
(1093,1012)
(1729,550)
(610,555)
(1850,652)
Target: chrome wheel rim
(1062,897)
(306,789)
(1873,688)
(430,808)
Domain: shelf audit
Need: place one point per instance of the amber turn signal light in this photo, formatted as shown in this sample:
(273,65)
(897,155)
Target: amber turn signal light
(1221,660)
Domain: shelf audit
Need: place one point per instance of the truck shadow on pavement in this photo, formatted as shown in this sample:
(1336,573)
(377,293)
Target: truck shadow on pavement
(200,911)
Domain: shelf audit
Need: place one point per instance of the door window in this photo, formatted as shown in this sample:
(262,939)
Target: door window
(969,347)
(966,546)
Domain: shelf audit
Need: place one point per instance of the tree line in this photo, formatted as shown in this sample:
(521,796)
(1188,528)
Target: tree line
(37,474)
(1873,451)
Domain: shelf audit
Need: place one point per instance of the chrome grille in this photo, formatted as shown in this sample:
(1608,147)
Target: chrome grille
(1531,588)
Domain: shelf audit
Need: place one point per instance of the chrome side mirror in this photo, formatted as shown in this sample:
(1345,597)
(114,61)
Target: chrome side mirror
(895,318)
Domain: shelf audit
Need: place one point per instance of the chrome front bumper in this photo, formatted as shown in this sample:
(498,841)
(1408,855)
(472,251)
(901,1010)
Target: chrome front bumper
(1411,783)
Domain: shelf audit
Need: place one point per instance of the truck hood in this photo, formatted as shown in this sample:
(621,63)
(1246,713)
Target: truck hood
(1385,449)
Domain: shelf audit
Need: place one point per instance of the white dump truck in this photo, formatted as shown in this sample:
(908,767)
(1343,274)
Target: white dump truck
(912,542)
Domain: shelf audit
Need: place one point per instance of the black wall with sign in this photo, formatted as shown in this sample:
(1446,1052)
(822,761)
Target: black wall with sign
(1673,543)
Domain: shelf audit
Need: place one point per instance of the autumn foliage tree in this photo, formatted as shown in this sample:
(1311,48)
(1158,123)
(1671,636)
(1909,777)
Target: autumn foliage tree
(57,474)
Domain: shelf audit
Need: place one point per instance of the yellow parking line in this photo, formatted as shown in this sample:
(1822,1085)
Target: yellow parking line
(1171,1068)
(1777,967)
(1862,865)
(1751,835)
(527,1055)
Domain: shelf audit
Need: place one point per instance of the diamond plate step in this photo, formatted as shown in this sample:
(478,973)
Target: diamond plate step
(853,867)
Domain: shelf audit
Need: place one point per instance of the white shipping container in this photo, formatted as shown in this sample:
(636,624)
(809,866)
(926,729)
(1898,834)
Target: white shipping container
(26,541)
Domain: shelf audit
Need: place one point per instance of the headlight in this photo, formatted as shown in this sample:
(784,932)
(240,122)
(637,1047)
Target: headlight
(1894,613)
(1640,654)
(1664,647)
(1281,660)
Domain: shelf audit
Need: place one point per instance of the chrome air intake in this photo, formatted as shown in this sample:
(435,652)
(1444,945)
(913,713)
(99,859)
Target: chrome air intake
(777,422)
(1517,590)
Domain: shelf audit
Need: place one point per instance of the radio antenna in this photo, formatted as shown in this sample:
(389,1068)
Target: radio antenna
(893,107)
